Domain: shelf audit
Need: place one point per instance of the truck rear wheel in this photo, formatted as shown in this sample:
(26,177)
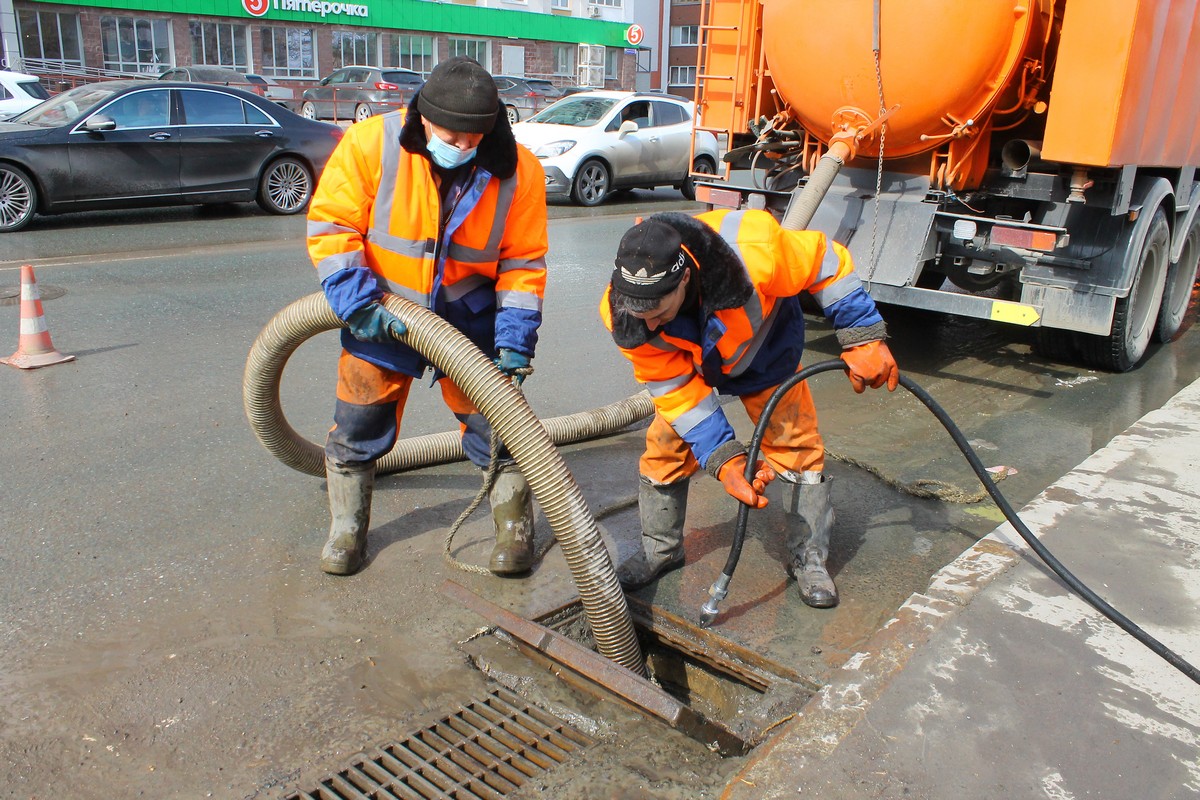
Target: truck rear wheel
(1054,344)
(1136,313)
(1181,281)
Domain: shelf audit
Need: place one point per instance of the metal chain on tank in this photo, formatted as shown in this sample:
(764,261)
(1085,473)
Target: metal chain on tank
(879,168)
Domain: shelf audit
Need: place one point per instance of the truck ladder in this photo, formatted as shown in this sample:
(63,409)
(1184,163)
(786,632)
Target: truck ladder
(725,71)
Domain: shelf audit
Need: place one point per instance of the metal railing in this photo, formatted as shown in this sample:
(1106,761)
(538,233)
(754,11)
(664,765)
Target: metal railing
(58,76)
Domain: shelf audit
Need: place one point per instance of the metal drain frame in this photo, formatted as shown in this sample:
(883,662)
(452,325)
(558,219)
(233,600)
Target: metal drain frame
(486,749)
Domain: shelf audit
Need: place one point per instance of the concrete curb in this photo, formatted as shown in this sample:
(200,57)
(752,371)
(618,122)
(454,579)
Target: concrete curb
(774,769)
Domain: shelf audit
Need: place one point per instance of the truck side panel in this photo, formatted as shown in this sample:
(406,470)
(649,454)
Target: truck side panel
(1124,87)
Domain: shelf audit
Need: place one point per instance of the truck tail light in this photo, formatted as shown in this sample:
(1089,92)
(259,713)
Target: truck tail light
(1024,238)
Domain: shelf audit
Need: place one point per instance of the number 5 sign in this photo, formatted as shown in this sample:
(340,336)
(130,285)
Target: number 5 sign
(634,34)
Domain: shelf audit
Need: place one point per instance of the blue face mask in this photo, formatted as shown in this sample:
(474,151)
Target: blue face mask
(446,155)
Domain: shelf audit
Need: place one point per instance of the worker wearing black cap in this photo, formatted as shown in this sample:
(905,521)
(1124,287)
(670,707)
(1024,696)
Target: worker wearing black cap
(708,303)
(437,204)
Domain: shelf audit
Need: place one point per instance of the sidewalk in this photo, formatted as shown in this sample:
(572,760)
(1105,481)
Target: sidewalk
(1000,683)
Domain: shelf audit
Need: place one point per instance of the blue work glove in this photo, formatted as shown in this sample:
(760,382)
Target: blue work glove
(374,323)
(510,361)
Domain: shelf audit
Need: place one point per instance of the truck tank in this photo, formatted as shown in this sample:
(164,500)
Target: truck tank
(1039,157)
(945,64)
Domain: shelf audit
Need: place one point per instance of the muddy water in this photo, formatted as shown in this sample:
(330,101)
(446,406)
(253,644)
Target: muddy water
(166,633)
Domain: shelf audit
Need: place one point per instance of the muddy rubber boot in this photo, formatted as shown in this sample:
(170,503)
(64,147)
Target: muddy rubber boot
(512,514)
(662,509)
(350,488)
(808,499)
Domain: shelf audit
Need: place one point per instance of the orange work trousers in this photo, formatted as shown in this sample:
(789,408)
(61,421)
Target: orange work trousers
(790,443)
(370,407)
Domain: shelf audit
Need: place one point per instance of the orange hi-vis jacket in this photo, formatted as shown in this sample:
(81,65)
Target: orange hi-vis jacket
(745,333)
(377,206)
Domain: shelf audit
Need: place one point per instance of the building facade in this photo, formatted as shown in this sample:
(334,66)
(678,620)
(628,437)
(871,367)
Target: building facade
(297,42)
(668,55)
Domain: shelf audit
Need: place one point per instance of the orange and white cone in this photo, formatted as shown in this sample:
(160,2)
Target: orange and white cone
(34,348)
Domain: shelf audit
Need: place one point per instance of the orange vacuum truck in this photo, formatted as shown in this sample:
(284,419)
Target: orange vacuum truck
(1027,161)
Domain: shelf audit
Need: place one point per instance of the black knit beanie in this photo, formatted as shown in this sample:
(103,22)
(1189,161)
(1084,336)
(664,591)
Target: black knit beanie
(460,96)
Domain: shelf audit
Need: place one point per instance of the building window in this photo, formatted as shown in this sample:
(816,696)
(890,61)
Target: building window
(220,44)
(136,44)
(685,34)
(612,63)
(609,3)
(410,52)
(561,5)
(475,48)
(288,53)
(564,60)
(352,48)
(48,36)
(682,76)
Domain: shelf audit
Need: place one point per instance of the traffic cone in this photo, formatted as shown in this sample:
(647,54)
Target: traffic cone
(34,348)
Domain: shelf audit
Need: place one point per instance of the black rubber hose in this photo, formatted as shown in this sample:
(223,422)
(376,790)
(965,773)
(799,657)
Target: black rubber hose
(720,588)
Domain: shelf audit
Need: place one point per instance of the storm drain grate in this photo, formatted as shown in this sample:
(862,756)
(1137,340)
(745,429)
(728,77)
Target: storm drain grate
(486,749)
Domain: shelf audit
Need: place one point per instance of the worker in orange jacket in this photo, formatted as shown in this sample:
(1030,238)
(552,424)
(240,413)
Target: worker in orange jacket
(709,305)
(437,204)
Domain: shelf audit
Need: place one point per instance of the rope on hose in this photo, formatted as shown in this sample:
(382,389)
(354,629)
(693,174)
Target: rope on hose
(489,478)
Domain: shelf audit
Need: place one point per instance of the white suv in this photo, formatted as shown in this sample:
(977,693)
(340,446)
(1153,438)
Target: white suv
(19,92)
(595,142)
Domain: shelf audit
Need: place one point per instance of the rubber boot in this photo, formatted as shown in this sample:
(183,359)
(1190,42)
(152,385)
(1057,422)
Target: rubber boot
(512,514)
(662,508)
(808,499)
(350,488)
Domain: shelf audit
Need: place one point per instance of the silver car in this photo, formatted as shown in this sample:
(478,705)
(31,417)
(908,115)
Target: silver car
(596,142)
(360,92)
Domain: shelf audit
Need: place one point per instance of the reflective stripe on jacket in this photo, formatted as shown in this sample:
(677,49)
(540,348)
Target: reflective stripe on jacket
(377,205)
(748,332)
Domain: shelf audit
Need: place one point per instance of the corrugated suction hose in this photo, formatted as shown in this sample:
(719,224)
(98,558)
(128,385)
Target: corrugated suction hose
(511,417)
(804,204)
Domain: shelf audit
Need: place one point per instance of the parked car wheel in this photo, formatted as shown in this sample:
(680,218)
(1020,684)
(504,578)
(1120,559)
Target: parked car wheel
(286,187)
(591,183)
(514,116)
(308,110)
(702,164)
(362,111)
(18,198)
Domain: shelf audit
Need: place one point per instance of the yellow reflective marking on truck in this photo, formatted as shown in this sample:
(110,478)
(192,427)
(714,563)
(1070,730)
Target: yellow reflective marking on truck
(1014,313)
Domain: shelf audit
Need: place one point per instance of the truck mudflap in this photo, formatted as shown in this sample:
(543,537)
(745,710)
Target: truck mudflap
(890,239)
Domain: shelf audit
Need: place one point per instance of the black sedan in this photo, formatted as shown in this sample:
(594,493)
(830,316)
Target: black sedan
(131,144)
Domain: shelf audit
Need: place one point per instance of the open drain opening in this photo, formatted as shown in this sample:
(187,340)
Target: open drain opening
(711,689)
(487,749)
(728,685)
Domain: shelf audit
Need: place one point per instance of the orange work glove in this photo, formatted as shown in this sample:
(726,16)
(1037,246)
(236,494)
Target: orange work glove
(732,476)
(871,364)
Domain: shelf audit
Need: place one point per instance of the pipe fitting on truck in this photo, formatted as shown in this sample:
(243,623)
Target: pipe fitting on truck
(1017,154)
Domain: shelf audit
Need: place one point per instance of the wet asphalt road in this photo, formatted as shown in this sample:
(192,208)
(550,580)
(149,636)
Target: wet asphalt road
(166,632)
